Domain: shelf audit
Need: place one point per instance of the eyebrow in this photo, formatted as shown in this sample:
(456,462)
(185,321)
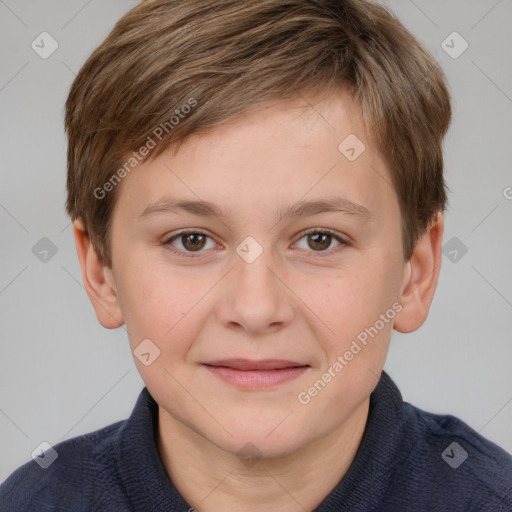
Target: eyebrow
(299,209)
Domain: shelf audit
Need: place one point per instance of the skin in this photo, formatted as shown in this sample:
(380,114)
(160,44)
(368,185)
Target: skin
(294,302)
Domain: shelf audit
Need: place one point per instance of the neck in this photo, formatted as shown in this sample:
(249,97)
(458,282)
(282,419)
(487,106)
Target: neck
(211,479)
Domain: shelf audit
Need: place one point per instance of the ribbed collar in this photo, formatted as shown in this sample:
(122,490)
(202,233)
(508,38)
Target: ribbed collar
(364,486)
(148,487)
(361,490)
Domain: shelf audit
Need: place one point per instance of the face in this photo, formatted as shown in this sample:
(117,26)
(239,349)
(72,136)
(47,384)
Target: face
(256,281)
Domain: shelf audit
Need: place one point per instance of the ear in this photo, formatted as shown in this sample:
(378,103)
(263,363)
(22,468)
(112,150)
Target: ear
(98,280)
(420,278)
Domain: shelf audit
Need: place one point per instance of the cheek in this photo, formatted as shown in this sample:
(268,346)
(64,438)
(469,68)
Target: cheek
(156,304)
(350,300)
(351,304)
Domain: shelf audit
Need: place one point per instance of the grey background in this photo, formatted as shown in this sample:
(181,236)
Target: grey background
(62,374)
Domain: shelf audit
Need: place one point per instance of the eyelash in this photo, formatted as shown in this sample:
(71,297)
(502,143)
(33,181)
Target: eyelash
(190,254)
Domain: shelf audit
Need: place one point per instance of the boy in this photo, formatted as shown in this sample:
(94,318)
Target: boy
(257,194)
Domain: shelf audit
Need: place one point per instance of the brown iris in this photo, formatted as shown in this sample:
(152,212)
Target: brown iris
(321,241)
(193,241)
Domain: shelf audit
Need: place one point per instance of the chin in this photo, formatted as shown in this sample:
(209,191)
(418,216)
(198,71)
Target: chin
(255,441)
(250,452)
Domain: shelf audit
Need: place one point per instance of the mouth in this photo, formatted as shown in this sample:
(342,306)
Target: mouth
(252,374)
(249,365)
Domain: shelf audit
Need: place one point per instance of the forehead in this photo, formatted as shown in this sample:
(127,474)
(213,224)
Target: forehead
(292,151)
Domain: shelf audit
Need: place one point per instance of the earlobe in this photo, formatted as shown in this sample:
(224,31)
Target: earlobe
(420,278)
(98,280)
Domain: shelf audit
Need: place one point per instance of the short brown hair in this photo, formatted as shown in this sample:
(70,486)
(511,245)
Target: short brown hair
(230,56)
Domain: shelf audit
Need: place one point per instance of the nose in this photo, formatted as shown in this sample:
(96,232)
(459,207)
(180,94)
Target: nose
(255,297)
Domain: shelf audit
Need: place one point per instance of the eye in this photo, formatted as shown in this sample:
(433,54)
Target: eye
(190,241)
(186,243)
(320,239)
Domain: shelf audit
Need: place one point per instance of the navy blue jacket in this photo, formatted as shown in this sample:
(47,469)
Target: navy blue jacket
(409,461)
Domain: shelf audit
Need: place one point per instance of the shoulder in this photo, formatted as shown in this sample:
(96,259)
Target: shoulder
(459,464)
(83,471)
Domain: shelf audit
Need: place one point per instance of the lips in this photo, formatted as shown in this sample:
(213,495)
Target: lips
(252,375)
(262,365)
